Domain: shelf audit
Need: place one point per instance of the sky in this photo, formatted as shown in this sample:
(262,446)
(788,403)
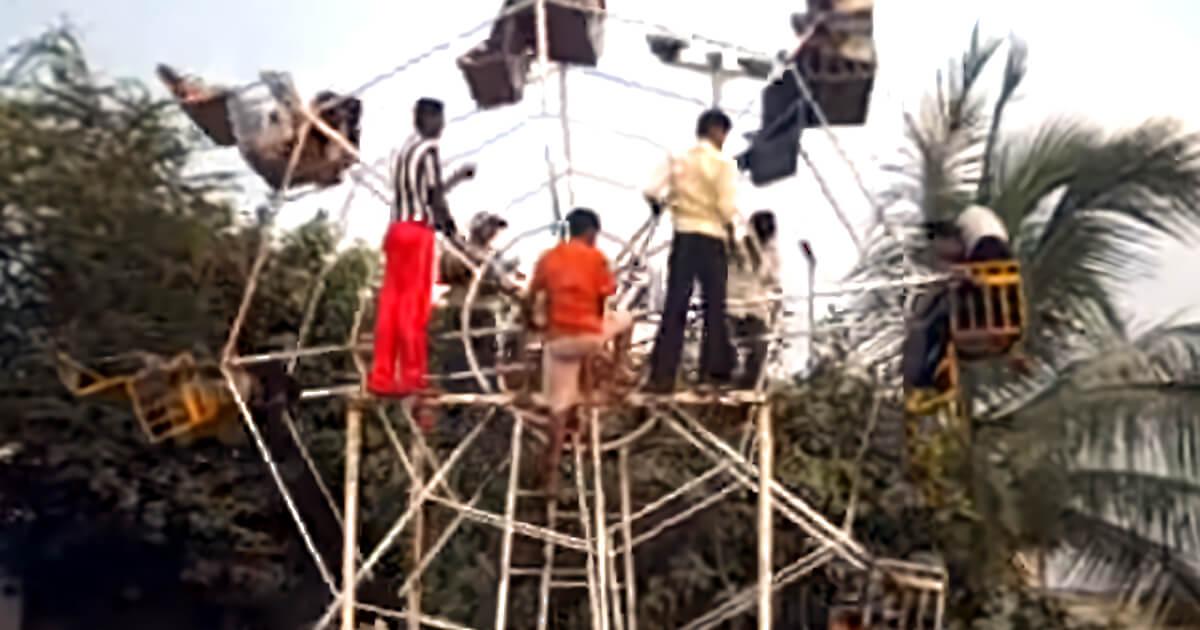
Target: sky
(1105,60)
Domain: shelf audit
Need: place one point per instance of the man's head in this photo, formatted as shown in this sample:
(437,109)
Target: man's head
(763,224)
(429,118)
(945,241)
(714,126)
(583,225)
(484,227)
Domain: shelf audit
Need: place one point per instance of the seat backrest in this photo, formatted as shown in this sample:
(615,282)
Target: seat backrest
(988,313)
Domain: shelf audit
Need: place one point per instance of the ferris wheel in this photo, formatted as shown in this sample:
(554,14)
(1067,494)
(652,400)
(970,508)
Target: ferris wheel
(590,536)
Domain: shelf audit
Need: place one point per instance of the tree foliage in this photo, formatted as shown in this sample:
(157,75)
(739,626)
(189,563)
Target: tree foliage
(112,245)
(1089,458)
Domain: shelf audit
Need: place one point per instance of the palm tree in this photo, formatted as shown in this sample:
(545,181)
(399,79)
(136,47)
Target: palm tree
(1105,410)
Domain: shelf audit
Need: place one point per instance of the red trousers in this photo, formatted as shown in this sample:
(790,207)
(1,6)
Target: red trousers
(405,304)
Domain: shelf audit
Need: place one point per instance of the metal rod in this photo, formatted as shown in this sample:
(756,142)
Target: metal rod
(520,527)
(510,510)
(263,247)
(811,259)
(794,508)
(350,545)
(627,535)
(766,528)
(682,516)
(312,467)
(677,492)
(318,290)
(566,132)
(419,570)
(602,576)
(401,522)
(265,453)
(547,567)
(414,594)
(745,599)
(581,497)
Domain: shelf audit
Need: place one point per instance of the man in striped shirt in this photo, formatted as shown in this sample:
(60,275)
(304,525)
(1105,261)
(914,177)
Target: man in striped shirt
(405,303)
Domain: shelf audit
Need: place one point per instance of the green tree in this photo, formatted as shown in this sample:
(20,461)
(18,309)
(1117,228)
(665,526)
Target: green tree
(111,244)
(1086,208)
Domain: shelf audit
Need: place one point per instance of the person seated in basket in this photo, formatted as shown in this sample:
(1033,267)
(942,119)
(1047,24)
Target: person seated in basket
(975,235)
(575,281)
(267,137)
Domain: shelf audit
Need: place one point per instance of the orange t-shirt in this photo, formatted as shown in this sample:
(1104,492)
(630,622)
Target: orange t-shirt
(576,279)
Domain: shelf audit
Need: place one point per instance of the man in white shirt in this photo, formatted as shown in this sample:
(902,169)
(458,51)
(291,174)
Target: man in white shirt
(699,190)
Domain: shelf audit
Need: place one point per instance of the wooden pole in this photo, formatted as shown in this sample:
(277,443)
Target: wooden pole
(350,548)
(766,467)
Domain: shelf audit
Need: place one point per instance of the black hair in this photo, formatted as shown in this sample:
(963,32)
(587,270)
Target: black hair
(712,118)
(426,106)
(940,229)
(580,220)
(762,223)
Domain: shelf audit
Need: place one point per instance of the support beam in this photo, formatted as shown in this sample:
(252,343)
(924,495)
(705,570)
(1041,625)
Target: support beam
(350,548)
(418,548)
(627,535)
(510,511)
(766,530)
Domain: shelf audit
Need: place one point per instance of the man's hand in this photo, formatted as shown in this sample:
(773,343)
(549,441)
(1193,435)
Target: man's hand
(656,205)
(466,171)
(447,227)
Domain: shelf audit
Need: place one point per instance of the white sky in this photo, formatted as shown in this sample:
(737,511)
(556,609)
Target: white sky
(1106,60)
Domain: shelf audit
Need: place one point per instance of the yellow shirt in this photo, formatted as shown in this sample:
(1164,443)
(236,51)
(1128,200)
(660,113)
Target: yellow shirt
(699,189)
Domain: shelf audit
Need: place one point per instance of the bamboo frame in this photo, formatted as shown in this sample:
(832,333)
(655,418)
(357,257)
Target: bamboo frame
(599,528)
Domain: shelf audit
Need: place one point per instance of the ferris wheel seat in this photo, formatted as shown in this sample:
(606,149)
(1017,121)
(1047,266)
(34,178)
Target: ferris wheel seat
(211,115)
(575,34)
(205,106)
(495,75)
(176,397)
(988,314)
(837,60)
(773,153)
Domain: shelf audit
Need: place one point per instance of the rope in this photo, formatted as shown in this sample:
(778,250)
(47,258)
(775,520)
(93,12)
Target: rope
(837,209)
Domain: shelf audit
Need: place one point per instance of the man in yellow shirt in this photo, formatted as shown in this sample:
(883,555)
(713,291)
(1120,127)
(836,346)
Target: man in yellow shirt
(699,190)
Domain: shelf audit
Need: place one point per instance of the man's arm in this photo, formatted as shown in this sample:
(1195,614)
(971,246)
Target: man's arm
(660,186)
(536,286)
(460,175)
(606,283)
(442,220)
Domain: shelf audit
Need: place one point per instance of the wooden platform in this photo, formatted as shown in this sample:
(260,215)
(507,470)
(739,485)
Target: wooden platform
(636,399)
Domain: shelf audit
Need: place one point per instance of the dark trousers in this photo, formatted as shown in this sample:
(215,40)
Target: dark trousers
(928,334)
(754,331)
(694,257)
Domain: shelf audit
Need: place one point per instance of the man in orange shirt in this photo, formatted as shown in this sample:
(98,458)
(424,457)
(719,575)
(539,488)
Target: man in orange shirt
(575,279)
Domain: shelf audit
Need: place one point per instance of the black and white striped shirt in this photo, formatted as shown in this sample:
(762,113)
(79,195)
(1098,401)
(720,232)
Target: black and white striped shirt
(417,179)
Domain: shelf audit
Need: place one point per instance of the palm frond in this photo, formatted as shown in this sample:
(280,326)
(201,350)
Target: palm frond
(1161,507)
(1034,164)
(1107,559)
(1149,175)
(1014,72)
(947,135)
